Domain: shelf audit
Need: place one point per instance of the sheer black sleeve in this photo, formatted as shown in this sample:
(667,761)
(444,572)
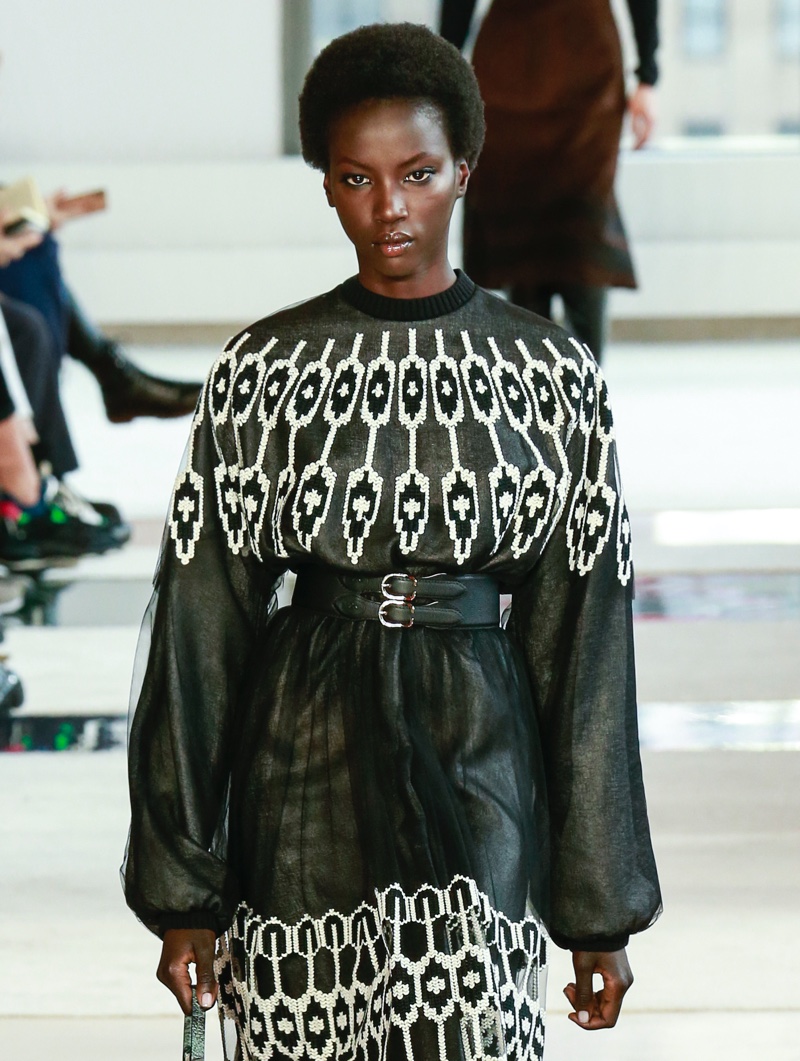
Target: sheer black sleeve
(644,16)
(209,609)
(572,620)
(455,18)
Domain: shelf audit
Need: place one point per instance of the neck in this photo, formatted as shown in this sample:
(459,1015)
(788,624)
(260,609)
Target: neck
(432,281)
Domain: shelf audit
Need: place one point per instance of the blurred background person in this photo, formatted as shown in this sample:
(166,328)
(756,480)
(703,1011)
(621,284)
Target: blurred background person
(41,517)
(35,279)
(551,76)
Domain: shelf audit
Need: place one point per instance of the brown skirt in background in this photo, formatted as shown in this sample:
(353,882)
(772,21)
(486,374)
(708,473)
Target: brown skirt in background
(540,208)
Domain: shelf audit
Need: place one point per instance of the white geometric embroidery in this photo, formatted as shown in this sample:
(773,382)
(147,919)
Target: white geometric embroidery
(364,485)
(547,419)
(315,489)
(231,509)
(186,514)
(412,489)
(474,982)
(459,486)
(504,478)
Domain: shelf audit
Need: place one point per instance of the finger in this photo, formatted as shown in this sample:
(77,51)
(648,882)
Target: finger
(609,998)
(174,974)
(585,1002)
(204,965)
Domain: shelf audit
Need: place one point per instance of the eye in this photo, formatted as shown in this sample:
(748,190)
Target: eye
(420,176)
(355,180)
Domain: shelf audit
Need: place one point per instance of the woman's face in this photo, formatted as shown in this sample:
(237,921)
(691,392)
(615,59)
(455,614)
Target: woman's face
(393,181)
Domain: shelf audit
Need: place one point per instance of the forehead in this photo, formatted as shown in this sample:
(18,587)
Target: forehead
(388,129)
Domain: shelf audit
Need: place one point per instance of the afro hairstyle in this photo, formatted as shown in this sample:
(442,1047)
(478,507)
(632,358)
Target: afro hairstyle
(391,61)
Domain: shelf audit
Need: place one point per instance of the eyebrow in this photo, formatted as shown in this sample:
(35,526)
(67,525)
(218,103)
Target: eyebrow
(403,165)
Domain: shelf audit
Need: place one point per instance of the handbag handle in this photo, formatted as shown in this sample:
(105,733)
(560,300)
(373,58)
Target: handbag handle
(194,1031)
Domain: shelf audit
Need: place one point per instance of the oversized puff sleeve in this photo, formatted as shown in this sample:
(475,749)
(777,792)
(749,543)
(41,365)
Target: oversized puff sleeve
(572,620)
(206,620)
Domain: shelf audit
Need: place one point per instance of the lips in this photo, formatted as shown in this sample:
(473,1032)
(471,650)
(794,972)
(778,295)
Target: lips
(393,243)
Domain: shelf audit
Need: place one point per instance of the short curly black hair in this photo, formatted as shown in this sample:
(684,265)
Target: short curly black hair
(391,61)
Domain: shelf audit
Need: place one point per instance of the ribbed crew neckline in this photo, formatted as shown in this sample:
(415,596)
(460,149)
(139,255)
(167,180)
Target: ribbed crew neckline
(408,309)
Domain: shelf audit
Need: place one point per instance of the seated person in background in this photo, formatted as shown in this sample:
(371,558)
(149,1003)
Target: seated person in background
(34,278)
(41,517)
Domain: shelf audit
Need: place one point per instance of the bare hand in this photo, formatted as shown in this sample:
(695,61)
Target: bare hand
(14,247)
(181,948)
(598,1009)
(641,107)
(64,207)
(18,473)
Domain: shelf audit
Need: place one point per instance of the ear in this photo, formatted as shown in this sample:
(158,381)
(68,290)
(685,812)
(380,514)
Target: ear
(326,184)
(462,175)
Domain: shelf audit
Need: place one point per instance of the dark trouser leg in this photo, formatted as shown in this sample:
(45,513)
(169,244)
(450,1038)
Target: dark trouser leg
(36,281)
(585,310)
(38,368)
(538,299)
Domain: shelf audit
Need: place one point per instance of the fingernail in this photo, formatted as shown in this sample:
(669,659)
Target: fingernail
(583,1016)
(207,1001)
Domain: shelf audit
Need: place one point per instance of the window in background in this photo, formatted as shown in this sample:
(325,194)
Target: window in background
(789,127)
(704,28)
(787,28)
(331,18)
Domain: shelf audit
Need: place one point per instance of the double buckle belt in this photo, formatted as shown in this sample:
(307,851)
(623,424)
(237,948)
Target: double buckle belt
(401,600)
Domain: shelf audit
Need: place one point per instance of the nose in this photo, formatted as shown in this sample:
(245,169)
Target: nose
(390,204)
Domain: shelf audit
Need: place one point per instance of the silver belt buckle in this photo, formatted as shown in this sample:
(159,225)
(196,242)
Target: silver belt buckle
(400,602)
(388,595)
(403,599)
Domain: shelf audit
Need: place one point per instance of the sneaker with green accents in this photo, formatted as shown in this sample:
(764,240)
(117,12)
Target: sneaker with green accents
(52,534)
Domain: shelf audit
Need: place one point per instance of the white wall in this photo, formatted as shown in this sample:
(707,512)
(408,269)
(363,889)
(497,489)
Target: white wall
(714,235)
(139,80)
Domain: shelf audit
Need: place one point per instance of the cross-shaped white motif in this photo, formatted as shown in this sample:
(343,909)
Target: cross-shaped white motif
(505,501)
(361,506)
(400,990)
(544,394)
(462,506)
(535,502)
(244,386)
(480,386)
(377,390)
(472,979)
(575,390)
(513,393)
(250,504)
(221,384)
(344,390)
(412,389)
(316,1025)
(447,388)
(273,390)
(186,507)
(285,1026)
(594,521)
(436,984)
(232,498)
(341,1020)
(411,507)
(312,499)
(308,393)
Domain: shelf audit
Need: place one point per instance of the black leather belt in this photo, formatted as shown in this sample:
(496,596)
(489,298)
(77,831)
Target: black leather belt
(400,600)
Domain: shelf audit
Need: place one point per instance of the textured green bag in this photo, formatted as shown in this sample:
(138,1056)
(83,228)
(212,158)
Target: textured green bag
(194,1032)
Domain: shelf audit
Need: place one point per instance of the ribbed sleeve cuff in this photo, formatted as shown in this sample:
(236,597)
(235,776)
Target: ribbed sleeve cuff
(190,919)
(593,943)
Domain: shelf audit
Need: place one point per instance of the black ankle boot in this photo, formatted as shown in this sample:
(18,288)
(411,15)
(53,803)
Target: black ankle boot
(127,391)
